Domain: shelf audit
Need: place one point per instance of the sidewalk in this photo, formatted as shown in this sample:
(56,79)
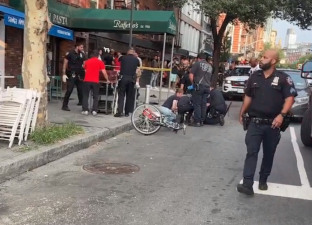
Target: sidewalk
(24,158)
(21,159)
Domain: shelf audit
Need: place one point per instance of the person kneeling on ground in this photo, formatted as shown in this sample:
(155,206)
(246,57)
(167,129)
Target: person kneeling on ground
(185,106)
(169,108)
(216,107)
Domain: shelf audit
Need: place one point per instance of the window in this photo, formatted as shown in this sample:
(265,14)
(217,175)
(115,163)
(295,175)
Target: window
(93,4)
(299,82)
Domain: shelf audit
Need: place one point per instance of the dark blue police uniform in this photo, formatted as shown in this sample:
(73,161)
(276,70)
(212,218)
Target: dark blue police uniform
(202,72)
(268,97)
(75,74)
(128,66)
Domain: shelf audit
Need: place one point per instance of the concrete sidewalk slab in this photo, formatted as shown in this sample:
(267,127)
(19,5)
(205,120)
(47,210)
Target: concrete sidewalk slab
(23,162)
(97,128)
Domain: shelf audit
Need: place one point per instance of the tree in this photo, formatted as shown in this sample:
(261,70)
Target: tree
(225,48)
(37,25)
(268,45)
(305,58)
(251,13)
(297,12)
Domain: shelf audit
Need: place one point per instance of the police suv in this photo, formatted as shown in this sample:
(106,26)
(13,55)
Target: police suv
(234,83)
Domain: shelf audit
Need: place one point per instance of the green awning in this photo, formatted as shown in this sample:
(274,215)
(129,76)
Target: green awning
(106,20)
(156,22)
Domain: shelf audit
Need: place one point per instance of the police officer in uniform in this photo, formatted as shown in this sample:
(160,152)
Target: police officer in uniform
(73,74)
(269,95)
(200,76)
(129,64)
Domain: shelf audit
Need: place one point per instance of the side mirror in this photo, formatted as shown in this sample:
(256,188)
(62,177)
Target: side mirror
(306,70)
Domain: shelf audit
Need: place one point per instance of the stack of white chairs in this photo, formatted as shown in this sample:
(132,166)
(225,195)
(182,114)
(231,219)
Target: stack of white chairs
(18,113)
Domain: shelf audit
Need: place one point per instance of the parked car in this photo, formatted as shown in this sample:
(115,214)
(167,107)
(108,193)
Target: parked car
(234,83)
(304,92)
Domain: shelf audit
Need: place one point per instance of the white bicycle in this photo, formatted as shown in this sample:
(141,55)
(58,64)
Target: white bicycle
(147,120)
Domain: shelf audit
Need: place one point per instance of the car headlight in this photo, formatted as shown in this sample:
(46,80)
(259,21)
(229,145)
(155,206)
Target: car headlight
(227,81)
(302,100)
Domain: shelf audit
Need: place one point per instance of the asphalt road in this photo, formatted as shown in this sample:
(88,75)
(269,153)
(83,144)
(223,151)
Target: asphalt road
(183,180)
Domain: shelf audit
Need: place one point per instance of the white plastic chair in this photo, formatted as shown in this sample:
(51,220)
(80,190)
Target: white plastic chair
(12,106)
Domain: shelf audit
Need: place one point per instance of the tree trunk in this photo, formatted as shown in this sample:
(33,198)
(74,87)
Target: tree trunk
(217,43)
(34,71)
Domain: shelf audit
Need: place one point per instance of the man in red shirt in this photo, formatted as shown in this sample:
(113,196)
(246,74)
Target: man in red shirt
(91,81)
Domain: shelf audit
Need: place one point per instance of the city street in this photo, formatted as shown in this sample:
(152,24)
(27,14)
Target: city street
(183,180)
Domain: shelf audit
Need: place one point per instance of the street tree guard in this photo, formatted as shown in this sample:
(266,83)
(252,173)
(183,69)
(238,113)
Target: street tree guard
(34,71)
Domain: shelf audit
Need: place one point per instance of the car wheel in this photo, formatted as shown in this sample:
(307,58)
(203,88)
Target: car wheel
(305,129)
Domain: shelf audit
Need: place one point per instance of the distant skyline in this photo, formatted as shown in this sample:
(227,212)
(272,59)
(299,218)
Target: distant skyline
(281,27)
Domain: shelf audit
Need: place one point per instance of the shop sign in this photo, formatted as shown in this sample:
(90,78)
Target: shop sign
(58,19)
(124,25)
(172,26)
(14,21)
(57,31)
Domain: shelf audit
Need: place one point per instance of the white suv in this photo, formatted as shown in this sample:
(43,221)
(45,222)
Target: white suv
(233,85)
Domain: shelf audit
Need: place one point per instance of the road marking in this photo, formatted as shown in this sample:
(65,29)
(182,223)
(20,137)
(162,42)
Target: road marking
(285,191)
(300,163)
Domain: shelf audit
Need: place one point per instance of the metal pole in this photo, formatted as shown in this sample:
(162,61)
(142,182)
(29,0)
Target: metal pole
(162,67)
(147,94)
(131,23)
(169,83)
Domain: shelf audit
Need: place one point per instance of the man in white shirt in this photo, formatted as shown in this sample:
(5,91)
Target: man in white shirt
(139,71)
(254,65)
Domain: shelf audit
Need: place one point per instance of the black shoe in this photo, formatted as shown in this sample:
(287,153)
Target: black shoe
(79,103)
(244,189)
(65,108)
(117,115)
(195,124)
(201,124)
(127,115)
(263,186)
(221,118)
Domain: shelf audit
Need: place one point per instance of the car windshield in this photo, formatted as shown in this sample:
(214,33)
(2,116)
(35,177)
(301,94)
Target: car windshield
(299,82)
(240,71)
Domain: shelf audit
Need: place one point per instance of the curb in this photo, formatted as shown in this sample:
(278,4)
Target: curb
(31,160)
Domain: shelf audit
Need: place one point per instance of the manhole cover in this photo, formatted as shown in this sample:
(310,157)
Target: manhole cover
(111,168)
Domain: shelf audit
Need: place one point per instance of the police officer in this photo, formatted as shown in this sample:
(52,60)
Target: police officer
(200,76)
(73,74)
(269,95)
(128,69)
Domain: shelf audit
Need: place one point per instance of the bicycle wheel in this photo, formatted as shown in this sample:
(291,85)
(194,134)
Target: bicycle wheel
(146,119)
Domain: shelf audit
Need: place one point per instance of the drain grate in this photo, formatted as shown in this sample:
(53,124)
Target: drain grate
(111,168)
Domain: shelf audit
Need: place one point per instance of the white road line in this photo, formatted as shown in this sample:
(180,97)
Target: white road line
(285,191)
(300,163)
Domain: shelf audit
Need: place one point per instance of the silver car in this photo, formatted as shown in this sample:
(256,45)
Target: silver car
(304,92)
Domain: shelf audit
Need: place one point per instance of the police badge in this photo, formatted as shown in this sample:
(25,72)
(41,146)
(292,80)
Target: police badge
(289,80)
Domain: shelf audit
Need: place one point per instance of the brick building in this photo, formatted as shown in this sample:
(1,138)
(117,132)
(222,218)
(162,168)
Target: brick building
(147,45)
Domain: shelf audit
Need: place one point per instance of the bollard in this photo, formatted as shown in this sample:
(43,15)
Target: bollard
(147,94)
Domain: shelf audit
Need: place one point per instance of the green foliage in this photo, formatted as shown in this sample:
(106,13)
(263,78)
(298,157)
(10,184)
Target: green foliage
(251,13)
(53,133)
(225,48)
(305,58)
(298,12)
(269,46)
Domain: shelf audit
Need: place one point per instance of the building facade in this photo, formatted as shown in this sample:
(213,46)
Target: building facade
(273,38)
(294,54)
(206,39)
(190,28)
(291,39)
(267,30)
(11,37)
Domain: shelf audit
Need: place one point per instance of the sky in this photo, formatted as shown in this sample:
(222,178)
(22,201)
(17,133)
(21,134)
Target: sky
(281,26)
